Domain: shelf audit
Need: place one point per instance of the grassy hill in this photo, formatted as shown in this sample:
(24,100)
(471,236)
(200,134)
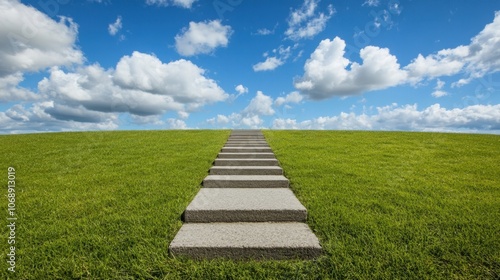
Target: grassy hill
(105,205)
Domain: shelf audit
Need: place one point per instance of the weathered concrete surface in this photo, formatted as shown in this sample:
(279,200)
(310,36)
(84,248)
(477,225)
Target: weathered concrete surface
(246,155)
(246,145)
(245,205)
(256,137)
(245,142)
(245,209)
(246,170)
(246,240)
(245,162)
(246,150)
(245,181)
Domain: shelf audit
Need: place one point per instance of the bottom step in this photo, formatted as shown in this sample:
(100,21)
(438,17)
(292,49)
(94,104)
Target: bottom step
(246,241)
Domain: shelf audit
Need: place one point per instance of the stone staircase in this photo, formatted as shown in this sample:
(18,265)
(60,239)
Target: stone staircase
(245,209)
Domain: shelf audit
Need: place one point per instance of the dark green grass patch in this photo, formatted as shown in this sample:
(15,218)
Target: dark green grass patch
(106,205)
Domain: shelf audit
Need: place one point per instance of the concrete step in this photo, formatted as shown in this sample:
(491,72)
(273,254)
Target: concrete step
(246,150)
(246,135)
(245,162)
(246,241)
(246,145)
(246,170)
(247,141)
(245,181)
(246,138)
(246,155)
(244,205)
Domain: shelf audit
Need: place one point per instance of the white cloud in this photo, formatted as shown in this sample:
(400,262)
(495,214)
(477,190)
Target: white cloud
(176,124)
(264,31)
(444,63)
(484,56)
(10,91)
(93,88)
(270,63)
(183,115)
(477,59)
(141,84)
(395,8)
(241,89)
(371,3)
(438,92)
(327,71)
(180,3)
(250,117)
(260,105)
(180,80)
(202,38)
(32,41)
(222,119)
(237,121)
(252,121)
(35,118)
(115,27)
(477,118)
(293,97)
(305,22)
(91,97)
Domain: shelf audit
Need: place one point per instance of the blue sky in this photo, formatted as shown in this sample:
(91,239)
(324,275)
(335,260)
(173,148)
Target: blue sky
(301,64)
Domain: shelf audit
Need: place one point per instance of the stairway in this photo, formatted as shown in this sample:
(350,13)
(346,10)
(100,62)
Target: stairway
(245,209)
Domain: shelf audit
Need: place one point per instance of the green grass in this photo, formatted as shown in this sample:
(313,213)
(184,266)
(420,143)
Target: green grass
(105,205)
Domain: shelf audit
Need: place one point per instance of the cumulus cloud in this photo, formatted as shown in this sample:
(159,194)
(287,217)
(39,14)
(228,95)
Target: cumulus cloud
(260,105)
(306,22)
(35,118)
(181,80)
(236,120)
(264,31)
(33,41)
(438,92)
(180,3)
(241,89)
(327,71)
(115,27)
(270,63)
(140,85)
(477,118)
(477,59)
(371,3)
(176,124)
(202,38)
(484,56)
(444,63)
(281,54)
(293,97)
(251,117)
(10,91)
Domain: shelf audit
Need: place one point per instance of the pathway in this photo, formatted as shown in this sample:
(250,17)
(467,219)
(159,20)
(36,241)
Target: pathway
(245,208)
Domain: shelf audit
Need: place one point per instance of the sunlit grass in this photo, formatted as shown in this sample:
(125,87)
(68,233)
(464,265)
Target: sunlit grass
(106,205)
(399,205)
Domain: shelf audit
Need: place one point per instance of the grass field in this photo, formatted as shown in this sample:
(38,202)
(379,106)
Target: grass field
(105,205)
